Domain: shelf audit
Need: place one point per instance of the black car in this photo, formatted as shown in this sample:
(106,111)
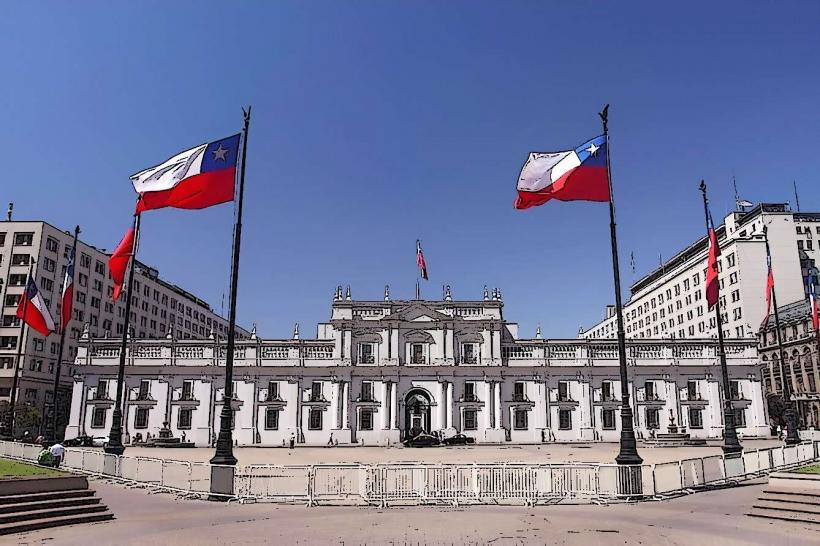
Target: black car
(80,441)
(422,440)
(458,440)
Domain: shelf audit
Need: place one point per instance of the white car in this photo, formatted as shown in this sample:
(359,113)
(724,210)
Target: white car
(99,441)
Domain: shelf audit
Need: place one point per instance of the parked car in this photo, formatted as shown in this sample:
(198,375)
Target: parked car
(458,440)
(422,440)
(80,441)
(99,441)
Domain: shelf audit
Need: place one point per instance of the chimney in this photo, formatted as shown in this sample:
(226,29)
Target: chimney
(11,210)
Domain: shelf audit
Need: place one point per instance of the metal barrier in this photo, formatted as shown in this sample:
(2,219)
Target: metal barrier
(383,484)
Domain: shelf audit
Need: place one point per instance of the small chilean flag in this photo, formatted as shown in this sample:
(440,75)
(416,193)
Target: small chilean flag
(194,179)
(420,261)
(815,321)
(574,175)
(712,283)
(118,262)
(769,288)
(68,293)
(33,310)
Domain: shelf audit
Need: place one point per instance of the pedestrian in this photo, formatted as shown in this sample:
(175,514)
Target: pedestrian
(330,440)
(58,451)
(779,432)
(183,436)
(292,440)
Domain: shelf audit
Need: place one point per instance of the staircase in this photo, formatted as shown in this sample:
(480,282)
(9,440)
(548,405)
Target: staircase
(789,497)
(65,503)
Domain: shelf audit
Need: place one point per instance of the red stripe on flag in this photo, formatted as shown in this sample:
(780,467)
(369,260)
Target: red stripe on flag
(67,306)
(197,192)
(118,262)
(580,184)
(712,283)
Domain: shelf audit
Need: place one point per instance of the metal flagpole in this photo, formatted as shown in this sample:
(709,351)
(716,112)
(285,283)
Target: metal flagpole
(8,430)
(791,419)
(114,444)
(418,271)
(628,454)
(224,443)
(51,431)
(731,445)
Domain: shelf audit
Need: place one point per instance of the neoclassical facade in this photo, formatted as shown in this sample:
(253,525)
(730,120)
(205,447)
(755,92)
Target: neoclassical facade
(380,368)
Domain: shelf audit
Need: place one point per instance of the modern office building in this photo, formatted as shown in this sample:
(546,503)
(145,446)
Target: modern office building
(157,306)
(669,302)
(382,370)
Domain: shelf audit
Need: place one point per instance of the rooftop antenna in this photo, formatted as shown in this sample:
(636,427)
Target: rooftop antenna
(737,197)
(796,198)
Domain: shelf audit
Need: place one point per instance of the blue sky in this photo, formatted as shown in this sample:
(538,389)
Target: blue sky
(377,122)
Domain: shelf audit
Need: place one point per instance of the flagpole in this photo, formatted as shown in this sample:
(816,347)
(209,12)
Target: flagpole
(114,444)
(224,443)
(8,432)
(791,421)
(731,445)
(628,454)
(51,430)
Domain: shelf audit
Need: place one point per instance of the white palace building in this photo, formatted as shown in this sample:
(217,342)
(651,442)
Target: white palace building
(380,368)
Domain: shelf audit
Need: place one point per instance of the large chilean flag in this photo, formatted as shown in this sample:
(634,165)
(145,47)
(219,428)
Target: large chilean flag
(575,175)
(33,310)
(194,179)
(68,293)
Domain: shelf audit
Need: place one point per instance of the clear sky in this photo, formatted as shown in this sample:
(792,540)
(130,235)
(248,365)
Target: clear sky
(379,122)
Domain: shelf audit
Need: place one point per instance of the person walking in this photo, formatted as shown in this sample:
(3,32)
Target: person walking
(58,451)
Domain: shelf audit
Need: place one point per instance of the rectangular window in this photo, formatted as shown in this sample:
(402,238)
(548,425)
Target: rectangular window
(606,391)
(184,419)
(187,390)
(695,418)
(315,419)
(521,419)
(417,353)
(649,390)
(141,418)
(564,419)
(470,419)
(468,353)
(145,389)
(692,390)
(273,390)
(469,391)
(563,391)
(271,418)
(366,419)
(734,390)
(98,418)
(23,239)
(316,391)
(652,418)
(518,392)
(102,390)
(366,353)
(367,391)
(608,419)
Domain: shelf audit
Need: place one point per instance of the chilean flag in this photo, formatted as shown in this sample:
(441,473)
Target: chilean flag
(815,320)
(194,179)
(118,262)
(769,288)
(712,283)
(68,293)
(420,262)
(576,175)
(33,310)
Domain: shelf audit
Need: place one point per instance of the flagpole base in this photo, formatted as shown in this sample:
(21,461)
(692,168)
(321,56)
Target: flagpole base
(114,444)
(628,454)
(224,442)
(792,437)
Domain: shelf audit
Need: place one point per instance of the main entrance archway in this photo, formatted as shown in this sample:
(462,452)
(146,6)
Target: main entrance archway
(416,413)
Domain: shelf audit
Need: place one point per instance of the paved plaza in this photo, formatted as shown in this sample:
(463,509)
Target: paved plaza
(541,453)
(714,517)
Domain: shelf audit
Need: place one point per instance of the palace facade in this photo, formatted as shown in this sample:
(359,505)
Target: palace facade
(380,368)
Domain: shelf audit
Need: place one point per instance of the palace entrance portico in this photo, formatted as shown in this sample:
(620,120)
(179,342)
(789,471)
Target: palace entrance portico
(417,404)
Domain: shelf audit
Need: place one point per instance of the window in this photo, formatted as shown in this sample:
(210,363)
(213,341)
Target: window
(519,394)
(52,245)
(606,391)
(367,391)
(692,390)
(469,392)
(417,353)
(145,389)
(85,260)
(184,418)
(23,239)
(102,390)
(695,418)
(187,390)
(316,391)
(366,353)
(20,259)
(271,418)
(734,390)
(366,419)
(608,419)
(521,419)
(46,284)
(652,418)
(649,390)
(273,391)
(315,419)
(98,418)
(563,391)
(740,417)
(468,353)
(99,267)
(49,265)
(564,419)
(470,419)
(141,418)
(8,342)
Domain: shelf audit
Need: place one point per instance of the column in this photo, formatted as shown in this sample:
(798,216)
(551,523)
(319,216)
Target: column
(443,404)
(449,404)
(339,402)
(498,419)
(395,405)
(346,404)
(490,405)
(386,405)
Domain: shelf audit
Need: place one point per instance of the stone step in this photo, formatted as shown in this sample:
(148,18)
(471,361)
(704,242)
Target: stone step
(787,506)
(784,515)
(45,523)
(86,500)
(51,495)
(47,513)
(796,493)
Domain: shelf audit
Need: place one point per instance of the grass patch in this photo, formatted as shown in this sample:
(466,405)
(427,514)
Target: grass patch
(13,469)
(811,469)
